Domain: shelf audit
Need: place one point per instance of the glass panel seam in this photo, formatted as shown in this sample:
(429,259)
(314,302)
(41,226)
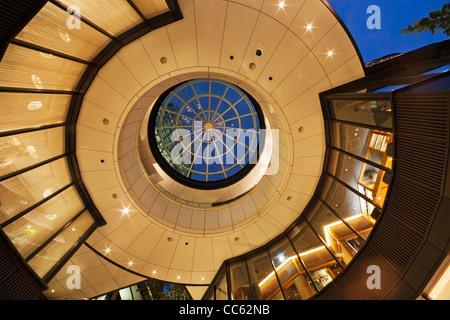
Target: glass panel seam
(88,22)
(367,161)
(342,219)
(27,130)
(53,236)
(35,47)
(20,171)
(353,190)
(36,205)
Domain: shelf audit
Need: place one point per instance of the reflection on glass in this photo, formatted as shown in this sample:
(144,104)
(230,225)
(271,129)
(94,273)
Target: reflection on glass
(265,285)
(27,110)
(28,232)
(239,282)
(334,232)
(363,177)
(23,150)
(363,143)
(48,29)
(22,191)
(114,18)
(315,257)
(373,113)
(34,105)
(291,274)
(60,245)
(27,68)
(150,8)
(222,288)
(37,82)
(337,226)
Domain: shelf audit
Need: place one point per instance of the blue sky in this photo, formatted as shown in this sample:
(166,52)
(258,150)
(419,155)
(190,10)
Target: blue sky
(395,15)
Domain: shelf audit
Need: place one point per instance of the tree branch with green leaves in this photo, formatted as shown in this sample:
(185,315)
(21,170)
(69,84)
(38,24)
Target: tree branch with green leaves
(436,20)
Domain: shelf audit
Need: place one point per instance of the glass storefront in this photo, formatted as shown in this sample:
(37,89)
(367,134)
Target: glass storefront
(317,248)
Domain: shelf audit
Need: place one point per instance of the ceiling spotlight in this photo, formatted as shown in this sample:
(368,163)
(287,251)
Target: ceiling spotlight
(309,27)
(178,277)
(330,53)
(281,4)
(154,272)
(130,263)
(126,210)
(108,250)
(35,105)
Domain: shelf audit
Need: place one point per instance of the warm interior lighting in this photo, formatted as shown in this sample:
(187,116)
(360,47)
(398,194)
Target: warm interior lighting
(47,192)
(65,36)
(286,261)
(281,4)
(282,259)
(309,27)
(330,53)
(51,216)
(442,286)
(126,210)
(325,228)
(37,82)
(108,250)
(35,105)
(130,263)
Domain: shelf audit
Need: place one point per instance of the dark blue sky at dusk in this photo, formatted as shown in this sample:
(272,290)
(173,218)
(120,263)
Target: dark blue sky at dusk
(395,16)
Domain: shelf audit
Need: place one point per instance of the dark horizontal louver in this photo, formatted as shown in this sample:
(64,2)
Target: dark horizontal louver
(16,279)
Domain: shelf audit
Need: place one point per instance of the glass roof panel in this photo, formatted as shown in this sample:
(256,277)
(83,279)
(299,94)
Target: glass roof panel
(207,130)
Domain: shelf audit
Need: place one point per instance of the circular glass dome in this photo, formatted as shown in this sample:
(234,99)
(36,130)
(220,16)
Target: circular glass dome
(206,133)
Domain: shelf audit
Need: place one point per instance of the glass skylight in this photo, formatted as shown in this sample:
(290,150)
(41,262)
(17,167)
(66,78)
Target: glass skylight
(207,130)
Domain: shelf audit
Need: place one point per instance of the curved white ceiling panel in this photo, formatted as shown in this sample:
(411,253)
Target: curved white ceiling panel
(304,50)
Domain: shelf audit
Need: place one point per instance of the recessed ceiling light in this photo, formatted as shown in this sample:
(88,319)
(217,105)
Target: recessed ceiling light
(48,192)
(35,105)
(154,272)
(130,263)
(330,53)
(178,277)
(37,81)
(203,278)
(126,210)
(108,250)
(309,27)
(281,4)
